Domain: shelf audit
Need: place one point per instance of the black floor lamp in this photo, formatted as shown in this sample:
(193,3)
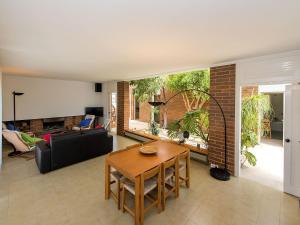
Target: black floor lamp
(218,173)
(15,152)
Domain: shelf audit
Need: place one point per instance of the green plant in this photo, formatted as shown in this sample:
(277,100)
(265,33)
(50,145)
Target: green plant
(195,122)
(194,80)
(254,109)
(154,128)
(146,89)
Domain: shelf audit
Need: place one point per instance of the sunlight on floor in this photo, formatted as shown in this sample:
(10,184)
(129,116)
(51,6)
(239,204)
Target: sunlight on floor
(269,168)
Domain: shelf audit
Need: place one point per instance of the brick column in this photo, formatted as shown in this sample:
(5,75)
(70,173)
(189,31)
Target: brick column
(122,107)
(222,87)
(36,125)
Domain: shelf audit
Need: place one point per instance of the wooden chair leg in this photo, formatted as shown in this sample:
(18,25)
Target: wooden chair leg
(107,180)
(163,191)
(123,199)
(177,180)
(188,171)
(142,203)
(159,195)
(118,195)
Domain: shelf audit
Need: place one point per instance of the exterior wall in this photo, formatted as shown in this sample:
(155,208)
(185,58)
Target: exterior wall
(222,87)
(145,112)
(175,108)
(249,91)
(123,111)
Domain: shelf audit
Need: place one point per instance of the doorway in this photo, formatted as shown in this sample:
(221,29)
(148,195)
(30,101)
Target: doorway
(113,112)
(262,154)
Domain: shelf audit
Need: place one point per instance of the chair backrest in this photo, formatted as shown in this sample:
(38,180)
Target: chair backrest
(184,155)
(13,138)
(156,171)
(91,117)
(170,163)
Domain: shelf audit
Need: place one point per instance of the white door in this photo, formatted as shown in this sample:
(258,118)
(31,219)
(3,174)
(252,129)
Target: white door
(292,140)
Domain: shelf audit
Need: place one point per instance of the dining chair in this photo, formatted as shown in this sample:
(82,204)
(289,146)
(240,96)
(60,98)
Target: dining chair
(170,171)
(150,180)
(184,167)
(116,177)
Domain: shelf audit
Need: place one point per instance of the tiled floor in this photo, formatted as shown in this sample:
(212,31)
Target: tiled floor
(75,195)
(269,168)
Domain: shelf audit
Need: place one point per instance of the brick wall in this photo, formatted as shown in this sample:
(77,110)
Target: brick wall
(76,120)
(36,125)
(175,108)
(123,111)
(249,91)
(70,121)
(145,112)
(222,87)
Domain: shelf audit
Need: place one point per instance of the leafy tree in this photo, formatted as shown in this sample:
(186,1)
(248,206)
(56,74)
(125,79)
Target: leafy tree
(190,81)
(146,89)
(254,109)
(195,120)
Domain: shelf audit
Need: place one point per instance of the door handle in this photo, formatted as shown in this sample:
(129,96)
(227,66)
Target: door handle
(287,140)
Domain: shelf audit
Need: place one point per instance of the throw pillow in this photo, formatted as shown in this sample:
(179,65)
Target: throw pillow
(46,138)
(85,123)
(29,140)
(11,126)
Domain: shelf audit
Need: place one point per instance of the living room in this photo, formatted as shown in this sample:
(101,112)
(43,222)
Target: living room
(90,137)
(41,107)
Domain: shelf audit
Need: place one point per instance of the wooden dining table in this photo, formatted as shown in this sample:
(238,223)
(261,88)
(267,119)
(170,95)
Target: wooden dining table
(132,164)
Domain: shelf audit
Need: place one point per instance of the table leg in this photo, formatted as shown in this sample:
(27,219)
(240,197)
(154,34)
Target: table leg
(107,180)
(188,171)
(177,177)
(137,200)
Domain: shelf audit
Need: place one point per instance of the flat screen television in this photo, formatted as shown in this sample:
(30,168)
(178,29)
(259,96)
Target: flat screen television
(97,111)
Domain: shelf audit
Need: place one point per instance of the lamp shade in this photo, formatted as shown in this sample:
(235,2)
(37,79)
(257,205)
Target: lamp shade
(155,104)
(18,93)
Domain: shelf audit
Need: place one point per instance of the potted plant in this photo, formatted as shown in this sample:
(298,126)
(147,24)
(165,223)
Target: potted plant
(154,128)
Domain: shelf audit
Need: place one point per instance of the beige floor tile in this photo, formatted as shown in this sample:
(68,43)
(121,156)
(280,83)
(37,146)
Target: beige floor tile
(74,195)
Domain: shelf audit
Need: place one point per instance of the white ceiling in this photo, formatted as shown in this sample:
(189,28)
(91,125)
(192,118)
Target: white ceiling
(121,39)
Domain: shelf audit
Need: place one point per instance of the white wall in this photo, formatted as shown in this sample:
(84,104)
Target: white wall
(46,98)
(273,69)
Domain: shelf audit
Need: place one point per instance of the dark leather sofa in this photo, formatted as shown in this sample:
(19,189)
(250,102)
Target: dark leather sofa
(69,148)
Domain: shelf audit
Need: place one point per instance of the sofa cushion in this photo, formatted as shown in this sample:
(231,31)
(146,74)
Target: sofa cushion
(47,138)
(85,122)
